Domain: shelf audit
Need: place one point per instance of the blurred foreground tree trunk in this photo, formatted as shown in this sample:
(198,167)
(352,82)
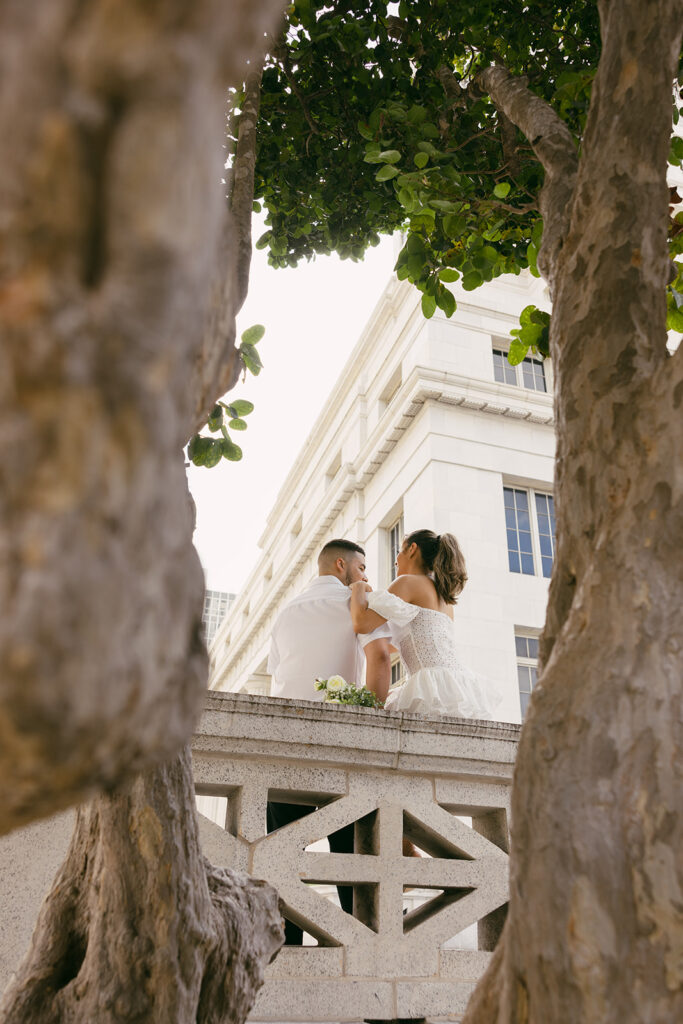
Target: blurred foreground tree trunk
(121,272)
(594,926)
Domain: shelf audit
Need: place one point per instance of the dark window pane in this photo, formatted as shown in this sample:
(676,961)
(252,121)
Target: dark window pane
(513,559)
(546,547)
(525,542)
(532,644)
(528,374)
(532,675)
(527,565)
(547,567)
(508,497)
(510,519)
(521,647)
(524,679)
(523,519)
(524,702)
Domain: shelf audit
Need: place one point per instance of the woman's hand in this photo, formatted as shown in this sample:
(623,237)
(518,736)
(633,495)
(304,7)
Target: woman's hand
(360,587)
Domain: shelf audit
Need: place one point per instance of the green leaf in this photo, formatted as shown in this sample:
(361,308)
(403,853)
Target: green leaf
(416,115)
(421,159)
(263,241)
(502,189)
(428,305)
(213,453)
(255,207)
(532,256)
(448,275)
(676,151)
(253,335)
(517,351)
(240,407)
(386,172)
(446,301)
(415,244)
(674,314)
(472,280)
(237,424)
(390,156)
(215,418)
(194,447)
(229,450)
(365,130)
(454,225)
(251,359)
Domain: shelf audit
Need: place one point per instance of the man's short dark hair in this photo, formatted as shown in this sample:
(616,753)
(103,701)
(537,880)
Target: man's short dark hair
(340,545)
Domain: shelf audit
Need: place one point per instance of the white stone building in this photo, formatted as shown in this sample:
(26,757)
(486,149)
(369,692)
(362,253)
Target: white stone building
(427,426)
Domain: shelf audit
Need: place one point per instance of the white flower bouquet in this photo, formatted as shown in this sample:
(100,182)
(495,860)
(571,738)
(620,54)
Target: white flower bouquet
(338,691)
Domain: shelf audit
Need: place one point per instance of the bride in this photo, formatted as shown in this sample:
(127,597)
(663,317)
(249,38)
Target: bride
(419,609)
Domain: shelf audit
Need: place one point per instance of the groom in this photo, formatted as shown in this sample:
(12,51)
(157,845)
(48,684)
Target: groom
(313,638)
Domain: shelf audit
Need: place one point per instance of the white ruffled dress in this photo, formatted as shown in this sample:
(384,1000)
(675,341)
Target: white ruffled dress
(438,683)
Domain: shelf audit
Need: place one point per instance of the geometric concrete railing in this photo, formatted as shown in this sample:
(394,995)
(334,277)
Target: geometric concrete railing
(392,775)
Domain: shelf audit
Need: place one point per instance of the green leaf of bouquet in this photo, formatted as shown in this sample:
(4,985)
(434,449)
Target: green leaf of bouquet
(502,189)
(428,305)
(448,274)
(386,172)
(253,335)
(421,159)
(237,424)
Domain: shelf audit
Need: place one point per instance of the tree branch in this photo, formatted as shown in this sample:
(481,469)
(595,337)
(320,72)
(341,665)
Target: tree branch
(554,146)
(242,195)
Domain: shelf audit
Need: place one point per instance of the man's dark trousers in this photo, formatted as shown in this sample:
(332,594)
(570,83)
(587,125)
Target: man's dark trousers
(340,842)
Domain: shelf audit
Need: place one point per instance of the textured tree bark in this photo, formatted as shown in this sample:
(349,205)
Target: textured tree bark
(594,925)
(139,927)
(118,283)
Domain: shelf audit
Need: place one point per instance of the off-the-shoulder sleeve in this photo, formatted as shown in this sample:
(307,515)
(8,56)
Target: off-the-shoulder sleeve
(391,607)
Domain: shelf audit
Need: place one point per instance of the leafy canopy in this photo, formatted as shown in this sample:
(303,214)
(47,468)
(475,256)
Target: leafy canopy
(371,121)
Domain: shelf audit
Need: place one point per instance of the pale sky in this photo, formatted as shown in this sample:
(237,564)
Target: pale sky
(313,317)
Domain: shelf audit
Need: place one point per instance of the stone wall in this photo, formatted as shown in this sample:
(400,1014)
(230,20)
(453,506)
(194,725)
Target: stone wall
(442,783)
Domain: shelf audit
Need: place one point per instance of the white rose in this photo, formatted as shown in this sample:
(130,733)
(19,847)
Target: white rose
(336,684)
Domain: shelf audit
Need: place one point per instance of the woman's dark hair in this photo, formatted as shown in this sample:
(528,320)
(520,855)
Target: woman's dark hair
(441,556)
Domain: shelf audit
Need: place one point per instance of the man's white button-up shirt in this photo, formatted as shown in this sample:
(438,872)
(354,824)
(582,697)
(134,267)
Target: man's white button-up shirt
(313,639)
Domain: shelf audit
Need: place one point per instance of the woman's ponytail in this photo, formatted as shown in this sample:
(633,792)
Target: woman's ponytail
(441,556)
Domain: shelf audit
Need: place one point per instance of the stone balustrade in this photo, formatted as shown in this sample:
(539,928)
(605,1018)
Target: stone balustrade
(443,783)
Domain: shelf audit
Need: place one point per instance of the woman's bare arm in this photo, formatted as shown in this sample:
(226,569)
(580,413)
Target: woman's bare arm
(363,618)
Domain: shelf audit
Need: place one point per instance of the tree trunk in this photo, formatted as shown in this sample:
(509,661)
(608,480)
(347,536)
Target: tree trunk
(594,927)
(139,927)
(118,282)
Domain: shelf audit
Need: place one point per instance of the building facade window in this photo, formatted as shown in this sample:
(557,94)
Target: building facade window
(395,540)
(216,606)
(396,671)
(526,649)
(530,528)
(530,373)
